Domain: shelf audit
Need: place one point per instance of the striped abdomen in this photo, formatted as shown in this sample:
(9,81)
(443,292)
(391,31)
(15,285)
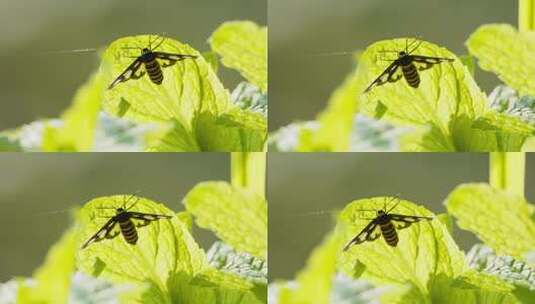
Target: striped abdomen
(411,74)
(154,70)
(389,233)
(129,231)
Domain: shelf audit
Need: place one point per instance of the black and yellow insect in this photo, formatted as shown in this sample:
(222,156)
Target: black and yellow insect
(127,220)
(386,224)
(408,63)
(149,58)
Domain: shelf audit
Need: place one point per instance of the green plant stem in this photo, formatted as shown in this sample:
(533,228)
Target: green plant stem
(248,170)
(507,171)
(526,15)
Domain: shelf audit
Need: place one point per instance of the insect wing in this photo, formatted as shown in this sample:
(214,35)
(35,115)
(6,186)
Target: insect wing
(428,62)
(173,57)
(403,221)
(143,219)
(127,74)
(386,76)
(106,232)
(369,233)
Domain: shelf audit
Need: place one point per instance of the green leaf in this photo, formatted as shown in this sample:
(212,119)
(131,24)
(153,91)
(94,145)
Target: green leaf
(173,138)
(221,256)
(214,286)
(242,45)
(471,288)
(496,217)
(425,249)
(77,132)
(315,281)
(348,291)
(501,49)
(53,278)
(189,86)
(238,216)
(491,132)
(234,131)
(447,90)
(249,97)
(483,259)
(336,121)
(164,248)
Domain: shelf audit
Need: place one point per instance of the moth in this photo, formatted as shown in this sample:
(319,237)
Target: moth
(126,221)
(149,59)
(408,63)
(385,224)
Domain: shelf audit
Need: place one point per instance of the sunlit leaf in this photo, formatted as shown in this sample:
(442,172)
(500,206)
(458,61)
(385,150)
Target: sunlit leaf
(164,248)
(501,49)
(242,45)
(500,219)
(425,249)
(238,216)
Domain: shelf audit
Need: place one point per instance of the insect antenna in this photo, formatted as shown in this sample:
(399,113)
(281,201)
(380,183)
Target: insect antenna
(129,198)
(75,51)
(416,47)
(159,44)
(395,205)
(314,213)
(51,212)
(343,53)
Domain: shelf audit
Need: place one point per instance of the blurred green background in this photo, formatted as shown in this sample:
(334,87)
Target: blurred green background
(302,183)
(35,84)
(301,82)
(34,187)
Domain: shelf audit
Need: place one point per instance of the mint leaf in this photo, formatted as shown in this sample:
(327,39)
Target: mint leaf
(249,97)
(164,247)
(446,91)
(238,216)
(189,86)
(501,49)
(485,260)
(336,121)
(234,131)
(314,283)
(242,45)
(53,279)
(221,256)
(425,250)
(77,132)
(494,216)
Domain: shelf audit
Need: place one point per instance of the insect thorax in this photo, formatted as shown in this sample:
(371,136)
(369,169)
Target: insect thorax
(147,55)
(382,217)
(404,58)
(122,215)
